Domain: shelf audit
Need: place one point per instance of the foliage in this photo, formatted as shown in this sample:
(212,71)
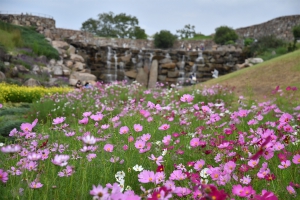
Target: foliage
(225,34)
(177,134)
(187,32)
(12,36)
(164,39)
(248,41)
(14,93)
(264,44)
(117,26)
(200,36)
(296,32)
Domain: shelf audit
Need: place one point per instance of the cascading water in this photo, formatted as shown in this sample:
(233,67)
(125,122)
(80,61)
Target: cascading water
(200,57)
(181,72)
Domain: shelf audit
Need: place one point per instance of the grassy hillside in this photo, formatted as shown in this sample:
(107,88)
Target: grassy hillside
(258,81)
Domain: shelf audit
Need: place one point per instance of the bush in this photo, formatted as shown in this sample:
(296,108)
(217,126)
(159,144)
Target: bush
(164,39)
(248,41)
(296,32)
(224,35)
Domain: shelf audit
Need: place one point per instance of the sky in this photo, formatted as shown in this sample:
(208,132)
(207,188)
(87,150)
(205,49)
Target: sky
(157,15)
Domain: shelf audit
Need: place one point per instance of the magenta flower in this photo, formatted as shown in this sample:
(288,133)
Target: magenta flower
(241,191)
(138,127)
(105,126)
(229,167)
(166,140)
(35,185)
(3,176)
(34,156)
(99,192)
(109,147)
(164,127)
(58,120)
(1,105)
(124,130)
(146,176)
(296,159)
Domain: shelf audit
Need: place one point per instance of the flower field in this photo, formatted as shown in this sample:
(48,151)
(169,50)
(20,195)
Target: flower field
(121,141)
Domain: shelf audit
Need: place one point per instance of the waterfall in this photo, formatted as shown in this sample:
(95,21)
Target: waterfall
(181,73)
(200,57)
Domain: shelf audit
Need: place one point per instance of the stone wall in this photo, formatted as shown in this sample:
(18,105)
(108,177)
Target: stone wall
(281,27)
(41,23)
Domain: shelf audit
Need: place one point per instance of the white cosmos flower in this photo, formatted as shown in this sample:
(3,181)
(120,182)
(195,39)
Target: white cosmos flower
(138,168)
(203,173)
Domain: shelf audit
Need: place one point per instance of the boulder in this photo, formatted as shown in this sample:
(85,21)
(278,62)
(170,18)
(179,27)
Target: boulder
(254,60)
(32,83)
(165,60)
(2,76)
(83,76)
(168,65)
(131,73)
(22,69)
(142,77)
(52,62)
(153,74)
(60,44)
(69,63)
(76,57)
(173,74)
(57,70)
(78,66)
(36,69)
(71,50)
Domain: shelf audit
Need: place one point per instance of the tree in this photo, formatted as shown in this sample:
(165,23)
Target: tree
(225,35)
(187,32)
(164,39)
(111,25)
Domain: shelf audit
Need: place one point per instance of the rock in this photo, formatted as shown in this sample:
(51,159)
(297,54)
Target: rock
(32,83)
(22,69)
(126,59)
(153,74)
(83,76)
(60,44)
(52,62)
(131,73)
(78,66)
(71,49)
(173,74)
(6,63)
(254,60)
(57,71)
(76,57)
(36,69)
(165,60)
(2,76)
(69,63)
(162,77)
(142,77)
(168,65)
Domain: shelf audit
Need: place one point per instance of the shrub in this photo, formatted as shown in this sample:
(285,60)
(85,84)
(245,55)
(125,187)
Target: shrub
(164,39)
(225,34)
(248,41)
(296,32)
(8,126)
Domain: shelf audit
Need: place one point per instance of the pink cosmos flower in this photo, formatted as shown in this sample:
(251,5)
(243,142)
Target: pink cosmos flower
(182,191)
(35,185)
(253,163)
(194,142)
(242,191)
(66,172)
(88,139)
(296,159)
(26,127)
(164,127)
(166,140)
(199,164)
(11,148)
(105,126)
(86,114)
(291,190)
(139,144)
(1,105)
(177,175)
(61,160)
(34,156)
(124,130)
(146,137)
(146,176)
(3,176)
(187,98)
(229,167)
(14,171)
(246,180)
(58,120)
(284,164)
(97,117)
(130,138)
(138,127)
(99,192)
(158,160)
(109,147)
